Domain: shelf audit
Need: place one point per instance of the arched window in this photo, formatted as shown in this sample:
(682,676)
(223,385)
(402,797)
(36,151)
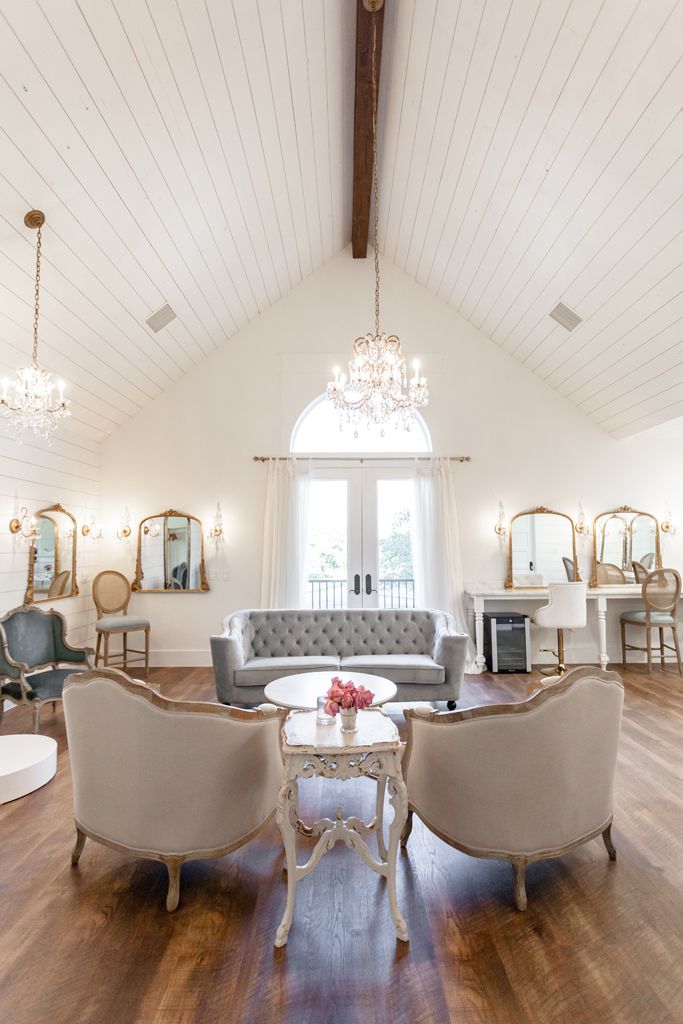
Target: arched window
(317,432)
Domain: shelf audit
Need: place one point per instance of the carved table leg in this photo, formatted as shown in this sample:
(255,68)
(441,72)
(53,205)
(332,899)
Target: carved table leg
(398,798)
(285,816)
(379,816)
(602,632)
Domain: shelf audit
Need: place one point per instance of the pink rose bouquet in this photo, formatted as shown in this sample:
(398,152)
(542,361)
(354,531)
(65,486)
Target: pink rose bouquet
(346,697)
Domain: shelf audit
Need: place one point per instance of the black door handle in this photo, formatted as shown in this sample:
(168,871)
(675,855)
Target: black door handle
(368,585)
(356,584)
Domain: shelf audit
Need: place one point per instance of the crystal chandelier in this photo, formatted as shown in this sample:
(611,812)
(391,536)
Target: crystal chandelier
(30,404)
(377,389)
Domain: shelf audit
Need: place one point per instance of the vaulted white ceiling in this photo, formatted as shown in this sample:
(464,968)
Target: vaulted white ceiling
(198,152)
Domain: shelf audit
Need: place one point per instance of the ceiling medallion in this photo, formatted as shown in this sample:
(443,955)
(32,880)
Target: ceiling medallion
(29,402)
(377,389)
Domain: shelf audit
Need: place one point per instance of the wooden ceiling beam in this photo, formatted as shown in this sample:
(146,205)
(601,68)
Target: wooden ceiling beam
(362,121)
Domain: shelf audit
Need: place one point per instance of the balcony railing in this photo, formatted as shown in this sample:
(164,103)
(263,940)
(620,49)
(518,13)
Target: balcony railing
(391,593)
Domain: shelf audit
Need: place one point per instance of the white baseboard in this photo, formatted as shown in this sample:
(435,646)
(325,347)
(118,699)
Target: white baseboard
(180,659)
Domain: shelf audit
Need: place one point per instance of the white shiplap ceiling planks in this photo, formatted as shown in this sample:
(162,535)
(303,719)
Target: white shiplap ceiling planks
(544,165)
(199,152)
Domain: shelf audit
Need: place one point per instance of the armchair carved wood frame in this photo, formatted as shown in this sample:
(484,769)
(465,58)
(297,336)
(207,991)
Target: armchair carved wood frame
(20,677)
(535,852)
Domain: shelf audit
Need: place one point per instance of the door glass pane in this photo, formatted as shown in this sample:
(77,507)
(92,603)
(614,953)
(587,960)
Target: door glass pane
(395,516)
(326,555)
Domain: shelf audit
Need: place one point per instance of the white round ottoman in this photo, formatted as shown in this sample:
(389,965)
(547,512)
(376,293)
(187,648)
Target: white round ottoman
(27,762)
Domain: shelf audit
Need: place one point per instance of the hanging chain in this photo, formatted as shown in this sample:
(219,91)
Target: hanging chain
(36,312)
(375,187)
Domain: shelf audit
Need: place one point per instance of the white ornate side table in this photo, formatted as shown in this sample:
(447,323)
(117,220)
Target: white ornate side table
(374,751)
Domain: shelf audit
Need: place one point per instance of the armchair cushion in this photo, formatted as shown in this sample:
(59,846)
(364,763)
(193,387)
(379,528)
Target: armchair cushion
(48,685)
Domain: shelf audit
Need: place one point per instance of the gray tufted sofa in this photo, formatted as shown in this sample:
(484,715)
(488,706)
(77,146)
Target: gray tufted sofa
(418,650)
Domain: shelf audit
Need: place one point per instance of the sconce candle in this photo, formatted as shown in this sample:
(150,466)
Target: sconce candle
(24,524)
(501,527)
(92,528)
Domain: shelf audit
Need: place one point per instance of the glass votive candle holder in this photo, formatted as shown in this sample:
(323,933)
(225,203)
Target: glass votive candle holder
(322,717)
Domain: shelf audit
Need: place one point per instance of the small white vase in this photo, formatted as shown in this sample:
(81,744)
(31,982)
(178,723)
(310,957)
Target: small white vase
(348,718)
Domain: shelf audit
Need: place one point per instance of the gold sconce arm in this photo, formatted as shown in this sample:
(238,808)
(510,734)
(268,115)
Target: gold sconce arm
(24,524)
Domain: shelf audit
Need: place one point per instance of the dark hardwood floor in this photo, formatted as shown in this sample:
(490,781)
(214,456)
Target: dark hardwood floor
(600,942)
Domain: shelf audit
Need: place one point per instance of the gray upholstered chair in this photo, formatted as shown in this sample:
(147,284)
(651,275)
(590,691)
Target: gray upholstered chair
(661,591)
(167,780)
(111,594)
(36,658)
(548,780)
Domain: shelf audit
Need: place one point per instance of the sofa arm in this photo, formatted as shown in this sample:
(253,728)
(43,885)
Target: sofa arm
(450,650)
(227,655)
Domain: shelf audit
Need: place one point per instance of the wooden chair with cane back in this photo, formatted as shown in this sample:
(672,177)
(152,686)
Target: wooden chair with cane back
(661,591)
(111,594)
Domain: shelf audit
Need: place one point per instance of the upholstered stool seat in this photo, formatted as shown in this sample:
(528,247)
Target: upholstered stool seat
(656,618)
(121,623)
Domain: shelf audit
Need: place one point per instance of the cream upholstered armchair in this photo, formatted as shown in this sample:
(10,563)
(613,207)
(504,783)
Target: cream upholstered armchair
(519,782)
(167,780)
(566,609)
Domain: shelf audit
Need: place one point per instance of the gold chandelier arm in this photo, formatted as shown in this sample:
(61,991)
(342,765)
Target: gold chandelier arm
(36,308)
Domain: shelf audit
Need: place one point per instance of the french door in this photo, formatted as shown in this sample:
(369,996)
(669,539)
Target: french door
(360,537)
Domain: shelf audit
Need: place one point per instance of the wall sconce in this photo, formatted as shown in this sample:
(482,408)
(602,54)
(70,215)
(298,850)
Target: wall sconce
(581,526)
(215,531)
(501,526)
(151,531)
(24,524)
(667,524)
(124,527)
(92,528)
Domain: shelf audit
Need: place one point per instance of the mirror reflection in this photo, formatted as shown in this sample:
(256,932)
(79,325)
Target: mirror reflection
(542,549)
(170,553)
(626,546)
(52,557)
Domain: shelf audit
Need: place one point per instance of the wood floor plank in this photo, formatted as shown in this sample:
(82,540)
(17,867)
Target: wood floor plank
(600,942)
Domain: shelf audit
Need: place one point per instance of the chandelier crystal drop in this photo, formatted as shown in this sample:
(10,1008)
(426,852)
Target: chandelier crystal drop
(377,389)
(29,402)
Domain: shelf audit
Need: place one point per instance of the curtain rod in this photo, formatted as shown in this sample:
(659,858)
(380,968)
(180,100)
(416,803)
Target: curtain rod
(361,458)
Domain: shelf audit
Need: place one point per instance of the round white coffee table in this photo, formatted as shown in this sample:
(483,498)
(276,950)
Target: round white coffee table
(303,689)
(27,762)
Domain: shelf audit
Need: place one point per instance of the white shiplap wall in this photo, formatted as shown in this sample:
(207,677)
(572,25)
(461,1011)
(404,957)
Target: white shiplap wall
(35,475)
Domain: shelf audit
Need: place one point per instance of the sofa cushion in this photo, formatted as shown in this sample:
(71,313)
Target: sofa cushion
(260,671)
(400,668)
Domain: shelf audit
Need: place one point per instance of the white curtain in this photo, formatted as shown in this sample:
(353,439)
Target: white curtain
(438,563)
(284,534)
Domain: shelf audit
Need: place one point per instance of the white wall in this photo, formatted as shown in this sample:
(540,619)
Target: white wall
(193,445)
(36,475)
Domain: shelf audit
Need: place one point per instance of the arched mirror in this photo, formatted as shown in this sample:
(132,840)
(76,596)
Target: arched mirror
(170,554)
(52,557)
(622,537)
(542,549)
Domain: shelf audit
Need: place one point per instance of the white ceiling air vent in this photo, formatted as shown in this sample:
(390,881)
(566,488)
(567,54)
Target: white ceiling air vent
(566,317)
(161,318)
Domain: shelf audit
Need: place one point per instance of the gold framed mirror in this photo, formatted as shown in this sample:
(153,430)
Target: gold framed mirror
(541,549)
(52,557)
(170,554)
(621,537)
